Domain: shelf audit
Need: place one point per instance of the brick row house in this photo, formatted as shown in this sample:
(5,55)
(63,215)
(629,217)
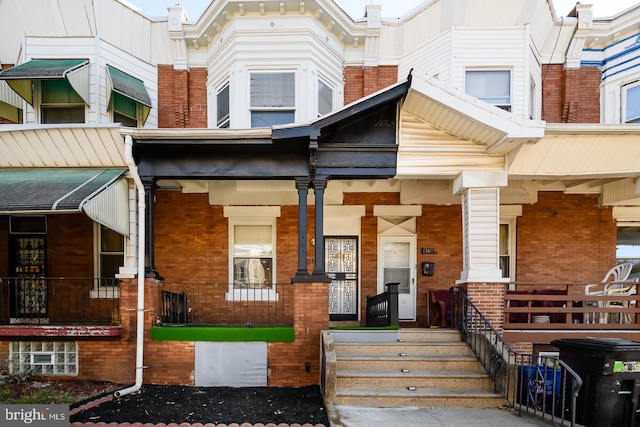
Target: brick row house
(192,202)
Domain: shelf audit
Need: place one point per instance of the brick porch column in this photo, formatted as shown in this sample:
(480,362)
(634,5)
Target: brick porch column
(488,297)
(287,361)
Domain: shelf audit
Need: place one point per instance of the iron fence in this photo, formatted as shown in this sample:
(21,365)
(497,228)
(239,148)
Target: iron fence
(225,304)
(59,301)
(543,386)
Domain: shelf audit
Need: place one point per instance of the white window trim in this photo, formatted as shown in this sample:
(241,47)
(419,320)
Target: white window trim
(101,291)
(250,110)
(497,69)
(333,95)
(509,215)
(251,215)
(623,113)
(219,88)
(40,104)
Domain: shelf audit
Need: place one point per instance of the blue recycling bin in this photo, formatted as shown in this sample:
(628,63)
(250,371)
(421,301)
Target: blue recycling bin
(537,384)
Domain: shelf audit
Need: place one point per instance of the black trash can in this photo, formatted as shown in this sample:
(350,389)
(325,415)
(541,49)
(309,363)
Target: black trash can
(610,371)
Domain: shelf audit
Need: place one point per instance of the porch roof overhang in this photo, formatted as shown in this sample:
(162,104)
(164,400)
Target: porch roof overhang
(55,146)
(20,78)
(100,193)
(587,151)
(343,140)
(468,118)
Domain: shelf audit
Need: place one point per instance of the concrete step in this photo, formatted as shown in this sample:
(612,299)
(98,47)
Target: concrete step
(409,348)
(429,335)
(420,397)
(414,363)
(457,380)
(406,335)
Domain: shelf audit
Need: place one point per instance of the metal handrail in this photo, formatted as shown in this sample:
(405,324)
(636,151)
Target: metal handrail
(529,384)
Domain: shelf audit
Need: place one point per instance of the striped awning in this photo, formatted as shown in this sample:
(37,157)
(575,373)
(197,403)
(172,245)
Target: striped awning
(10,104)
(100,193)
(21,77)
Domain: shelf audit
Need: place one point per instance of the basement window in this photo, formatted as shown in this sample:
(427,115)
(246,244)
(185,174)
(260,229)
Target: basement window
(44,358)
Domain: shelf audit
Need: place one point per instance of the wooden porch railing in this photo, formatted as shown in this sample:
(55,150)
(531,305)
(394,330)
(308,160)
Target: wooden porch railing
(545,306)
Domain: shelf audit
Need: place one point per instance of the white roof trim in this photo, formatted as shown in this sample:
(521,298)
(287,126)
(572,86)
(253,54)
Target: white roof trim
(469,118)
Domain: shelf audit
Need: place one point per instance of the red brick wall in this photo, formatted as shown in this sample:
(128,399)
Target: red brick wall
(182,97)
(201,233)
(565,238)
(363,81)
(571,96)
(489,300)
(287,360)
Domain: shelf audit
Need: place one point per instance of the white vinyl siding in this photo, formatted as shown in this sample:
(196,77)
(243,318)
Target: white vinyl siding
(480,226)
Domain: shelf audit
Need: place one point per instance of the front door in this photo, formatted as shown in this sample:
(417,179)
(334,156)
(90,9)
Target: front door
(341,265)
(28,287)
(397,264)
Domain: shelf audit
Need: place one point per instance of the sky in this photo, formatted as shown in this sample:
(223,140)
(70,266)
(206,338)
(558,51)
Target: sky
(390,8)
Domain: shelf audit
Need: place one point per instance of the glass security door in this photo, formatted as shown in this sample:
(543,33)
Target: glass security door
(341,265)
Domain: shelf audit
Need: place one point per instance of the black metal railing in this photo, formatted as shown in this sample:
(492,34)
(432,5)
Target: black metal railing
(543,386)
(225,304)
(382,309)
(59,301)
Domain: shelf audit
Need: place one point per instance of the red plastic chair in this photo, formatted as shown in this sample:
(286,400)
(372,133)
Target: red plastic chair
(444,299)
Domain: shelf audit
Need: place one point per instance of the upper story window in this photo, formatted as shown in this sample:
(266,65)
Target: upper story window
(325,98)
(631,102)
(125,111)
(58,89)
(223,118)
(129,100)
(273,99)
(59,103)
(490,86)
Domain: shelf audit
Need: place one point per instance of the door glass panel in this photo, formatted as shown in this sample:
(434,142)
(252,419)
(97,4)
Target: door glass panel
(397,268)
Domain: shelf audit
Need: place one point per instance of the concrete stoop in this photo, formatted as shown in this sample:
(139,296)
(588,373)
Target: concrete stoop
(410,367)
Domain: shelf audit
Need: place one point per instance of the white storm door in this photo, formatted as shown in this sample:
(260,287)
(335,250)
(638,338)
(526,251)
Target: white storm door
(397,263)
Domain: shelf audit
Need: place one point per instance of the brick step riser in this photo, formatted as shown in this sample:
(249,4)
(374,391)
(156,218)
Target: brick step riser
(421,401)
(403,382)
(411,350)
(412,365)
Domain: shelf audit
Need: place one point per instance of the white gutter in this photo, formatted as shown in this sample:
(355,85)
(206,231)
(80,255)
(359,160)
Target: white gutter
(128,146)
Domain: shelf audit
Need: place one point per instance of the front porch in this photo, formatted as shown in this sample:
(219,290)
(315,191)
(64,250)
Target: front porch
(545,311)
(59,307)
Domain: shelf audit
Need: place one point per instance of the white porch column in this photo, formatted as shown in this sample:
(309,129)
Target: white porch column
(480,192)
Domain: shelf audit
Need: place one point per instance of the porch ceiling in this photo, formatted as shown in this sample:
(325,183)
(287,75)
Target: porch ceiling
(580,152)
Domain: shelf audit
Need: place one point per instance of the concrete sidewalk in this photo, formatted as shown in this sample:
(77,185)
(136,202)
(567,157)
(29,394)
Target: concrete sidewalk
(359,416)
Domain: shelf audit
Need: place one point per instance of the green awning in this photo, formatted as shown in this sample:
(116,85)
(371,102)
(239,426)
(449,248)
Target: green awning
(129,87)
(21,77)
(100,193)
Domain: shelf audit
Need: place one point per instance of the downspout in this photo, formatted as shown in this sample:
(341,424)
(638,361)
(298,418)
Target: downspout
(133,168)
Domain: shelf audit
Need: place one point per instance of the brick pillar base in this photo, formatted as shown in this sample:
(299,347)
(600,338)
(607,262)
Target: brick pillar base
(489,300)
(288,361)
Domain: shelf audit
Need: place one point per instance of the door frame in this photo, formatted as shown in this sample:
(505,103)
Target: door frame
(412,239)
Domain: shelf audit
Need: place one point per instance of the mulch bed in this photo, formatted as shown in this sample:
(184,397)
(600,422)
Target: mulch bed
(157,404)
